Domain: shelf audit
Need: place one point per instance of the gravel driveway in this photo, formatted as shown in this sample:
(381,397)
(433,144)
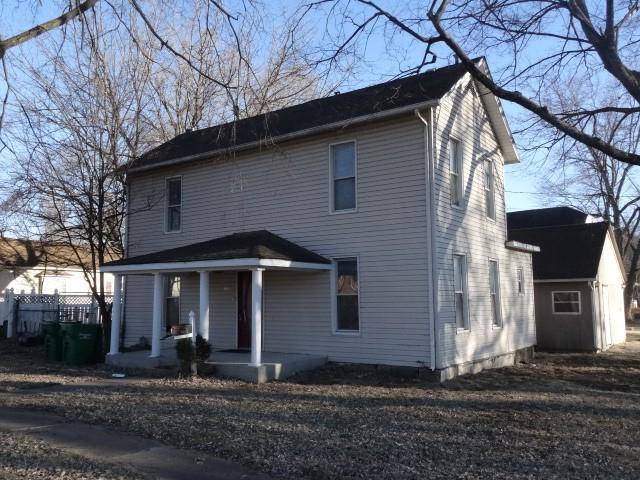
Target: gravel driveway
(566,416)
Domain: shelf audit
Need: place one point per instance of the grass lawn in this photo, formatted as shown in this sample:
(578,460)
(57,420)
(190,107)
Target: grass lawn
(566,416)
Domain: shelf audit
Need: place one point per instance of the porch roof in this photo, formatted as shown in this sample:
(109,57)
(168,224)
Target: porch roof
(239,250)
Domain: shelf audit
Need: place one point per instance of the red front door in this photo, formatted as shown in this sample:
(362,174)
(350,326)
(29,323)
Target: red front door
(244,310)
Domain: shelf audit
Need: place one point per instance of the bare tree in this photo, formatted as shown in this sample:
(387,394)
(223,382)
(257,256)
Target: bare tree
(540,42)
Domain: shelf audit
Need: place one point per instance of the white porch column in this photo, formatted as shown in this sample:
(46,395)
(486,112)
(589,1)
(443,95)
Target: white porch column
(256,317)
(156,330)
(116,314)
(205,301)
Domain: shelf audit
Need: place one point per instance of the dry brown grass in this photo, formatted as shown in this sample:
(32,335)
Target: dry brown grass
(566,416)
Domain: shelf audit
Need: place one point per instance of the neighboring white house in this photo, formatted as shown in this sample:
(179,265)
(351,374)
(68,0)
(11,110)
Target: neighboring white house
(366,227)
(30,266)
(579,279)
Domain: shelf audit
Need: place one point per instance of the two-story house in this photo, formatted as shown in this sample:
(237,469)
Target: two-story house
(364,227)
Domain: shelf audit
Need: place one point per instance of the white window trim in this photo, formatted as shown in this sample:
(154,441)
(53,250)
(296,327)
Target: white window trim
(489,162)
(498,294)
(460,174)
(166,204)
(553,304)
(332,210)
(465,292)
(520,270)
(334,297)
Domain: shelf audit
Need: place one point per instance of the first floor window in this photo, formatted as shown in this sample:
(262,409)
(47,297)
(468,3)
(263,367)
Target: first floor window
(173,204)
(566,302)
(460,290)
(520,281)
(347,292)
(172,306)
(494,292)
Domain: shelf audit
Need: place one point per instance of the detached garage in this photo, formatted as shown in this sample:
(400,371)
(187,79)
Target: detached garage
(578,278)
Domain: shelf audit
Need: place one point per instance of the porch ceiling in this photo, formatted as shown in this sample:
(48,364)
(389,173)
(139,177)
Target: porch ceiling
(258,249)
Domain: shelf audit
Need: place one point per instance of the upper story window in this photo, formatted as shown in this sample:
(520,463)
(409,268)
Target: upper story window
(494,292)
(347,290)
(455,166)
(173,204)
(566,303)
(343,173)
(460,291)
(489,190)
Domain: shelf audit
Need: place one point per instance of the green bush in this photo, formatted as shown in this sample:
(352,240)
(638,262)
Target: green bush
(191,356)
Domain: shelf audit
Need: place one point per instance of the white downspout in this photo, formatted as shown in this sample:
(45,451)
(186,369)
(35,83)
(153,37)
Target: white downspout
(432,236)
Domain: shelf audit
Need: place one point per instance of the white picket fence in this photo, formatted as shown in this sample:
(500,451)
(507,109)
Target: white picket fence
(23,314)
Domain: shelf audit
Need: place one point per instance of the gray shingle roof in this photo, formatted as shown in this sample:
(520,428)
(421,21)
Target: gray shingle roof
(260,244)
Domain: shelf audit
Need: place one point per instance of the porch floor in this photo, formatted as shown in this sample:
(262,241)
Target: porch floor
(234,364)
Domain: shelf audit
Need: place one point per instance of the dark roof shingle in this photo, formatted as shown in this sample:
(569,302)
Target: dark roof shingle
(545,217)
(260,244)
(402,92)
(566,251)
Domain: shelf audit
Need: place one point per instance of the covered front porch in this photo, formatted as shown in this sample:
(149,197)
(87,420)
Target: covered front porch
(245,255)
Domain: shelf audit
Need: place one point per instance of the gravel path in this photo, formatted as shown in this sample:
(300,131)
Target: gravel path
(566,416)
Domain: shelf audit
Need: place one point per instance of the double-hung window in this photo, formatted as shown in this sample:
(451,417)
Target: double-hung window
(520,281)
(343,173)
(173,195)
(494,293)
(347,291)
(460,291)
(489,190)
(566,303)
(172,305)
(455,166)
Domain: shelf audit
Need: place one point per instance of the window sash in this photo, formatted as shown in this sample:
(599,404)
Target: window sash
(494,292)
(173,210)
(566,302)
(490,200)
(460,291)
(344,176)
(520,277)
(455,166)
(348,295)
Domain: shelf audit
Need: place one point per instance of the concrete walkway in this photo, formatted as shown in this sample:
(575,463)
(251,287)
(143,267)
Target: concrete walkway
(143,455)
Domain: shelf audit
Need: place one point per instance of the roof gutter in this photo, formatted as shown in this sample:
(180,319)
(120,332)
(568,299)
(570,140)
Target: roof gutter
(431,229)
(290,136)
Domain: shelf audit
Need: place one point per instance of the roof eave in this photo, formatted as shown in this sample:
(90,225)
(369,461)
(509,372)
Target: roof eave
(292,136)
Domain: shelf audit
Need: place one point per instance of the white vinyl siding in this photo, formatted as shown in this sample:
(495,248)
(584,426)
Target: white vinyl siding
(456,175)
(343,175)
(566,303)
(494,293)
(173,204)
(489,190)
(460,291)
(286,190)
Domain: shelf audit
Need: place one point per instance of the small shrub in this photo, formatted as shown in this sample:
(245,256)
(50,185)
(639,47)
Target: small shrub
(191,356)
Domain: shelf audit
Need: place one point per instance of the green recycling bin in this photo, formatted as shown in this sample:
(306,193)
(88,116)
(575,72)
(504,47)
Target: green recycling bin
(80,343)
(52,341)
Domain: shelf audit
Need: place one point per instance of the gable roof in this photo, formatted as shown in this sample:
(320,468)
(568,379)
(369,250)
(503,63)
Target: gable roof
(567,251)
(27,253)
(545,217)
(260,244)
(324,114)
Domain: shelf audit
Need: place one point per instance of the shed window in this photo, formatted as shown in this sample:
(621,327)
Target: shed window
(455,166)
(172,307)
(347,290)
(494,292)
(173,204)
(566,303)
(460,290)
(343,171)
(489,190)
